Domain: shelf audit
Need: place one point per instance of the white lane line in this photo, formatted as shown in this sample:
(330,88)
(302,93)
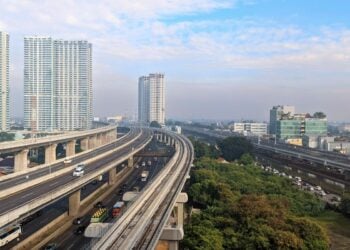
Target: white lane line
(23,196)
(52,184)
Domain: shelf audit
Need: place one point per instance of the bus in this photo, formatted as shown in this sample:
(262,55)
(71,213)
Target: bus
(9,234)
(118,208)
(99,216)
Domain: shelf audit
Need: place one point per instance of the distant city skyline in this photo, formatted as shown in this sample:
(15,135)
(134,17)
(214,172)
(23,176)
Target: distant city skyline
(223,59)
(4,82)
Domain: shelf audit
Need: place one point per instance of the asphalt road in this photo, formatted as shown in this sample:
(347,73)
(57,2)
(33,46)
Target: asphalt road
(58,166)
(25,196)
(69,240)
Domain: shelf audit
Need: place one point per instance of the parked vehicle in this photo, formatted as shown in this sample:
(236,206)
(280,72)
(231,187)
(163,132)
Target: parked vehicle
(9,234)
(149,163)
(118,208)
(99,216)
(143,164)
(144,175)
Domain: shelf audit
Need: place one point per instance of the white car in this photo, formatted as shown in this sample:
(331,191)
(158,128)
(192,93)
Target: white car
(67,161)
(79,171)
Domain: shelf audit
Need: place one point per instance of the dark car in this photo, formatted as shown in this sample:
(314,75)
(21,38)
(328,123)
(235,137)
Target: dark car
(121,192)
(51,246)
(99,205)
(77,221)
(80,230)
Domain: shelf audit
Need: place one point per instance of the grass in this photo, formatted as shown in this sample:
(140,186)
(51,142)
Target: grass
(338,227)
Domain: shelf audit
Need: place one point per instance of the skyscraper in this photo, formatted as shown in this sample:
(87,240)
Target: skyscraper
(38,83)
(4,82)
(72,82)
(57,84)
(151,106)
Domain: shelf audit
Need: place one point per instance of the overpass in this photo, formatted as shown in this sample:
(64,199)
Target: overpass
(88,140)
(141,226)
(34,197)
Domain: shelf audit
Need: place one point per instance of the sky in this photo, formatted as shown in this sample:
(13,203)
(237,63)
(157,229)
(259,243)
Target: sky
(222,59)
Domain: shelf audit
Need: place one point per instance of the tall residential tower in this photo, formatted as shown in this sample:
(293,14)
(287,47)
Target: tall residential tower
(4,82)
(57,84)
(151,106)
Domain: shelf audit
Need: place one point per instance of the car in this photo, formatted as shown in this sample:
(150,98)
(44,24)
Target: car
(80,230)
(51,246)
(121,192)
(137,166)
(98,205)
(77,221)
(67,160)
(78,171)
(94,182)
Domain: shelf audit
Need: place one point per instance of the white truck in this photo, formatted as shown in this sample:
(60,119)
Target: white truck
(144,175)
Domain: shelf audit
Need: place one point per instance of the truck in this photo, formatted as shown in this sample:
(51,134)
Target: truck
(99,216)
(118,208)
(144,175)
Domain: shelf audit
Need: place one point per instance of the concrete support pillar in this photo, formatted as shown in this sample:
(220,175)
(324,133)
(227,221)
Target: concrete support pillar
(21,160)
(173,245)
(50,153)
(70,148)
(92,142)
(74,203)
(98,140)
(181,200)
(84,144)
(103,138)
(131,162)
(112,176)
(169,141)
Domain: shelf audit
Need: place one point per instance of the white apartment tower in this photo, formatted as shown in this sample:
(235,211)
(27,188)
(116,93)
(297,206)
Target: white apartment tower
(4,82)
(57,84)
(151,106)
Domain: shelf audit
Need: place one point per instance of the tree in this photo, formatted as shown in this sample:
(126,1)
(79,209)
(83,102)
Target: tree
(6,136)
(319,115)
(232,148)
(155,124)
(246,159)
(345,204)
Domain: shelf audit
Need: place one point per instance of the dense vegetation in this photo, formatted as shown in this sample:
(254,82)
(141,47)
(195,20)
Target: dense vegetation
(243,207)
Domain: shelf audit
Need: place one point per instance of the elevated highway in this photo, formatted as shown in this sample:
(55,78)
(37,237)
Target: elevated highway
(88,139)
(12,183)
(141,225)
(33,198)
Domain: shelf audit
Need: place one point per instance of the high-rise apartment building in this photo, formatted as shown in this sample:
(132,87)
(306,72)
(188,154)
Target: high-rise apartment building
(151,106)
(4,82)
(72,83)
(57,84)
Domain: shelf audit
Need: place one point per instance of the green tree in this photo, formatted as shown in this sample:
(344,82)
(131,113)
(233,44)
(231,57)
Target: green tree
(6,136)
(319,115)
(155,124)
(232,148)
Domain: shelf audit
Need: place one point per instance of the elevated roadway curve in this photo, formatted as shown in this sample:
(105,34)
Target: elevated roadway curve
(13,146)
(141,225)
(13,180)
(35,197)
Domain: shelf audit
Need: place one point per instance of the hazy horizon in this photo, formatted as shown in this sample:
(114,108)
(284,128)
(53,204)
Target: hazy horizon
(222,60)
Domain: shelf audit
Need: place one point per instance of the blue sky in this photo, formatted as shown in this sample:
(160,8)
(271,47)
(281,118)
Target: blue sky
(222,59)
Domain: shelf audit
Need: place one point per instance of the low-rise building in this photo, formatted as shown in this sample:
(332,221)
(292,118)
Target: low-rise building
(249,128)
